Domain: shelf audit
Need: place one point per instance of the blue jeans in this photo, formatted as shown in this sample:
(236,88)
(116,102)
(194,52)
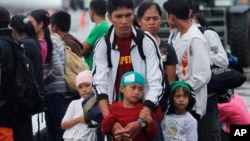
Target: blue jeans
(208,126)
(54,113)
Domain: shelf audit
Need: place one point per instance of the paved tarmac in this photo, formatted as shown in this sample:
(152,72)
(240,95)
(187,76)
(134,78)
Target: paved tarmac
(244,90)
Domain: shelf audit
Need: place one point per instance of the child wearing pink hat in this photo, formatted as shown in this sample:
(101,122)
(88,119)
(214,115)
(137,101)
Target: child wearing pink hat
(73,121)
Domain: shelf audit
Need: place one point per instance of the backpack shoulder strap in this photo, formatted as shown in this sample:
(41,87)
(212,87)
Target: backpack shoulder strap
(87,104)
(139,42)
(73,39)
(108,45)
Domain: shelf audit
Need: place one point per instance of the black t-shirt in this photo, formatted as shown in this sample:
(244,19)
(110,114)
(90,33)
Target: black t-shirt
(168,54)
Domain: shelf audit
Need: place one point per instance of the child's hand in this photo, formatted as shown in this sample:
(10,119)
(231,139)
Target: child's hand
(145,115)
(122,135)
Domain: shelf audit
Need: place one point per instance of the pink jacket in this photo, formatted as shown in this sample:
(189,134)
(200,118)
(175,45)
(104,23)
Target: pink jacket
(233,112)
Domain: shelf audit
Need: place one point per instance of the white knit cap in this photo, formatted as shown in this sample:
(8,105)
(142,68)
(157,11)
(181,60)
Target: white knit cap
(84,77)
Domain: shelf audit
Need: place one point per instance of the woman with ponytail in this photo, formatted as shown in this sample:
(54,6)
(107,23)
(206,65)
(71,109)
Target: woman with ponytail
(52,50)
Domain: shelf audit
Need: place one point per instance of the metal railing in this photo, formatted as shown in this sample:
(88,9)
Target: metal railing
(216,18)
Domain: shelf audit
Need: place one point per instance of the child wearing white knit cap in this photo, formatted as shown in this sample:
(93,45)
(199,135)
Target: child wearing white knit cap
(73,122)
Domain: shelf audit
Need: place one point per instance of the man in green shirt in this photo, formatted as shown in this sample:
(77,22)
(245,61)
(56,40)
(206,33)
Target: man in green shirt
(97,15)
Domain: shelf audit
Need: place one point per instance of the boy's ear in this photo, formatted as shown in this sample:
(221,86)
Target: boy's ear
(121,88)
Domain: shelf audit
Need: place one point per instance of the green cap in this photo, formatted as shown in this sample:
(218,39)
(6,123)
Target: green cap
(131,78)
(178,84)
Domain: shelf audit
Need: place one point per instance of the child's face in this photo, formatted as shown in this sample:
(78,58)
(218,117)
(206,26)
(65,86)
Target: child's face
(180,100)
(132,93)
(84,89)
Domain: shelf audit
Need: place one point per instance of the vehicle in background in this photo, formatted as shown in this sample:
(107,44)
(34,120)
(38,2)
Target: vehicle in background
(230,18)
(17,6)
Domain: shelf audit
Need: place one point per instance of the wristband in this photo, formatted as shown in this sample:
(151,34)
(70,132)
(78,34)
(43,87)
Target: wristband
(142,122)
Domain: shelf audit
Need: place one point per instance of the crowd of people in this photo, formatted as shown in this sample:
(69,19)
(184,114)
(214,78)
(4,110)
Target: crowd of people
(147,89)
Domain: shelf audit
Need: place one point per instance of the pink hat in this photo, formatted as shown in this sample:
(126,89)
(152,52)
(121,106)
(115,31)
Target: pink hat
(84,77)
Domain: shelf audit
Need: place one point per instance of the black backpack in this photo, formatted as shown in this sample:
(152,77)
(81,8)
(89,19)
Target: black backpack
(140,35)
(223,79)
(28,98)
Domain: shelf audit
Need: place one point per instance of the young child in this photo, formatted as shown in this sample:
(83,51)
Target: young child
(73,121)
(178,123)
(127,110)
(232,113)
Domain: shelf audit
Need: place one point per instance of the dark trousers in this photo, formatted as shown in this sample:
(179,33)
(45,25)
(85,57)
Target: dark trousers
(224,136)
(54,113)
(23,128)
(160,133)
(208,126)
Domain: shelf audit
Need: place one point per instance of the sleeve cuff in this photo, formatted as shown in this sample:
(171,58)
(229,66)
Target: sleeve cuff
(101,97)
(150,105)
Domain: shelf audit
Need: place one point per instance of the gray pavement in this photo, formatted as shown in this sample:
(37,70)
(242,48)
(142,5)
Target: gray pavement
(244,90)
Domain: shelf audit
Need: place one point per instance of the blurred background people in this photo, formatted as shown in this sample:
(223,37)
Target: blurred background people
(55,84)
(60,24)
(97,14)
(24,32)
(7,72)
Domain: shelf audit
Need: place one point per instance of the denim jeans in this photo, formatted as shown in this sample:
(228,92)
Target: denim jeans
(54,113)
(208,126)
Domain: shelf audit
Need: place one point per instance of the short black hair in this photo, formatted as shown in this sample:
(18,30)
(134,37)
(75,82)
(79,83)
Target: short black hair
(145,6)
(62,20)
(179,8)
(113,5)
(99,7)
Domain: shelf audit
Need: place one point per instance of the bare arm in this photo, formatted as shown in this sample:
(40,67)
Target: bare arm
(104,107)
(70,123)
(86,49)
(171,71)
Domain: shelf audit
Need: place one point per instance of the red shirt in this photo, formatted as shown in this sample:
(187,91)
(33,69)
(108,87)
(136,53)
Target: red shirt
(125,63)
(124,116)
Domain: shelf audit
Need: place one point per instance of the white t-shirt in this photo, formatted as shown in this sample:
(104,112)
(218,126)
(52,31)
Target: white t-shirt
(179,127)
(194,64)
(217,52)
(79,132)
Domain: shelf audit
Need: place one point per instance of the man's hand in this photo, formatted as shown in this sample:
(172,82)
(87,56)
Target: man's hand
(133,128)
(147,108)
(146,116)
